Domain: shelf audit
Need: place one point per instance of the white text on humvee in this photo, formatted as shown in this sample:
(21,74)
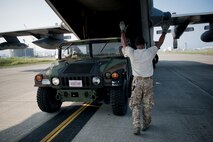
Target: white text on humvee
(86,71)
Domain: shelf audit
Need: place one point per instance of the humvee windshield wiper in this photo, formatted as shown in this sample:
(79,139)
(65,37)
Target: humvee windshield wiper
(69,46)
(104,46)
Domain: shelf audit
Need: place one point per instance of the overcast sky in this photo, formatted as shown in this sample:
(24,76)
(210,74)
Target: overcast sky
(28,14)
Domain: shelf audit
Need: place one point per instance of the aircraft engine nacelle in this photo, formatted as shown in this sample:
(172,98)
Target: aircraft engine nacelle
(159,16)
(52,41)
(48,43)
(178,30)
(208,35)
(12,45)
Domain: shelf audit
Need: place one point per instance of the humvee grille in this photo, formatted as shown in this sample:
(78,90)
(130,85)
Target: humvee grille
(79,68)
(86,81)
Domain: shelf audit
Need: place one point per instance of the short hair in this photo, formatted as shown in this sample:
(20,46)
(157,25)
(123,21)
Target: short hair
(139,40)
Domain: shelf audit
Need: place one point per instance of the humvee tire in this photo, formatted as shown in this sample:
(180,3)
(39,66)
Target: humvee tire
(155,60)
(119,100)
(46,100)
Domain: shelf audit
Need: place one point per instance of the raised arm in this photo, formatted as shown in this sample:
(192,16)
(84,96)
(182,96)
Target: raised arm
(123,28)
(123,39)
(161,40)
(165,28)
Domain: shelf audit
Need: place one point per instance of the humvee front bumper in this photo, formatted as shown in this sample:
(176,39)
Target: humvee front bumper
(76,95)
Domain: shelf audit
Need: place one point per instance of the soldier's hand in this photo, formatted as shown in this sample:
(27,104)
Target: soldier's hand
(165,27)
(122,26)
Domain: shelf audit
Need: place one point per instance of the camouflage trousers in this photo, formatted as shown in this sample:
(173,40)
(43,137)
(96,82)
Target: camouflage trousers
(141,100)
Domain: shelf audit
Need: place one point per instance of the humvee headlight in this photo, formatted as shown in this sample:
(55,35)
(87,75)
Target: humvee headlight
(108,75)
(96,80)
(55,81)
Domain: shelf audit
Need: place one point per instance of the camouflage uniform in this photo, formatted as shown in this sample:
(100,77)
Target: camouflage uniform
(142,70)
(141,100)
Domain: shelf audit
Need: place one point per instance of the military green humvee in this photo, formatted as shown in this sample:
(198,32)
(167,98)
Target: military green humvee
(86,71)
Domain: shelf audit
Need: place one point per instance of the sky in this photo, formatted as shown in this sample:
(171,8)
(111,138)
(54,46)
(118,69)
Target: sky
(26,14)
(184,6)
(30,14)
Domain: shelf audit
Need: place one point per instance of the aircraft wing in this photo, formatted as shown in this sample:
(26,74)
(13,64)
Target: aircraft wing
(191,18)
(48,38)
(181,22)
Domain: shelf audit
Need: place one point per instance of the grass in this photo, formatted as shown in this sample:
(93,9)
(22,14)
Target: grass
(8,62)
(203,52)
(199,52)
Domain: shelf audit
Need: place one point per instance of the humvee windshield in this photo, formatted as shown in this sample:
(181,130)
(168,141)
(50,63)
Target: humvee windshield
(85,50)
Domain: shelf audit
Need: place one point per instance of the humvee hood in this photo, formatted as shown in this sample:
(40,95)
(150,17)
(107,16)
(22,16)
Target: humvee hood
(87,66)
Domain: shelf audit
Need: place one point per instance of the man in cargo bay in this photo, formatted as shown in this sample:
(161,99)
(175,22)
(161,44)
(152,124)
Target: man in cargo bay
(142,84)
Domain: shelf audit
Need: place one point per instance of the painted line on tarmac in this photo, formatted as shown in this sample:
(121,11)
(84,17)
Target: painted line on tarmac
(65,123)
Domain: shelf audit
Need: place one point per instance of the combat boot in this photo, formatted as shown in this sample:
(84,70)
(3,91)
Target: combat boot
(146,125)
(137,130)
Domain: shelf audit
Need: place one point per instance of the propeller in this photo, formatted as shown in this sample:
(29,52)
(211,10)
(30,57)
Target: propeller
(175,43)
(174,35)
(178,31)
